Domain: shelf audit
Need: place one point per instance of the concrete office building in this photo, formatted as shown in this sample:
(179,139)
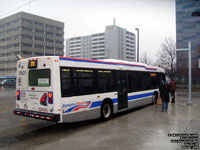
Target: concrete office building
(115,43)
(188,29)
(28,35)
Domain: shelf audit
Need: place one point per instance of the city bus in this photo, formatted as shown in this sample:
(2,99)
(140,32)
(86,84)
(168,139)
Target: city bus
(64,89)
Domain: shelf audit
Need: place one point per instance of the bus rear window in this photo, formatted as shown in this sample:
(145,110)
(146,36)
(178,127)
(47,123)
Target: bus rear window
(39,77)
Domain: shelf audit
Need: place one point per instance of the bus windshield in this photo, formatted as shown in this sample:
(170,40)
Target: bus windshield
(40,77)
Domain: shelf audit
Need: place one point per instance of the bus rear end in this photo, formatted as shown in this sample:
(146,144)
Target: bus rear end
(36,92)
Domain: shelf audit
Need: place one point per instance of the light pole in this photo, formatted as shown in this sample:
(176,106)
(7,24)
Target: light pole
(137,29)
(189,71)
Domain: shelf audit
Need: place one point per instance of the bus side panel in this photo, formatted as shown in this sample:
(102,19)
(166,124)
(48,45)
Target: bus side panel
(137,99)
(82,115)
(80,108)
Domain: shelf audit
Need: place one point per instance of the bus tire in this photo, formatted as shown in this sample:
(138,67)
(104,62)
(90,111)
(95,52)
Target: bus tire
(155,98)
(106,111)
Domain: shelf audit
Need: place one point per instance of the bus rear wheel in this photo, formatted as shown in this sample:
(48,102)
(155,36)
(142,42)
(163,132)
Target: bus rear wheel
(106,111)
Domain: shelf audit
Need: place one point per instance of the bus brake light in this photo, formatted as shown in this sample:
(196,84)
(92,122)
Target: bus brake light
(50,97)
(18,95)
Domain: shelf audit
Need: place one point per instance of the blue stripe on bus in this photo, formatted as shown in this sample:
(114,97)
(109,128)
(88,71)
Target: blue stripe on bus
(115,100)
(96,104)
(133,97)
(101,62)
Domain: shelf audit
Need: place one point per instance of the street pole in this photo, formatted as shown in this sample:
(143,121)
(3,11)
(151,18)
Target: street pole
(137,44)
(189,71)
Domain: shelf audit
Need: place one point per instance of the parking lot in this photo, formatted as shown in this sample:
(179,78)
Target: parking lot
(146,128)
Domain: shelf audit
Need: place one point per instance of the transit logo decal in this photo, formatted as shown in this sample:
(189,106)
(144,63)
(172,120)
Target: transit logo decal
(76,106)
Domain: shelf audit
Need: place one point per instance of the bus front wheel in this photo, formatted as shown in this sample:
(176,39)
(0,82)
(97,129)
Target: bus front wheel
(154,98)
(106,111)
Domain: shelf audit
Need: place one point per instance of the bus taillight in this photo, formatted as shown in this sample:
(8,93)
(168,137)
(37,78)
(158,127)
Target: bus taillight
(50,97)
(18,95)
(43,99)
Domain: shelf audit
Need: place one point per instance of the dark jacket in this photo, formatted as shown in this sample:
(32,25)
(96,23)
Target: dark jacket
(164,93)
(172,85)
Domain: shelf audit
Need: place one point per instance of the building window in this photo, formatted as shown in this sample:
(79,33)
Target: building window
(49,47)
(127,57)
(2,40)
(9,38)
(49,33)
(39,46)
(59,42)
(59,49)
(59,28)
(27,37)
(9,46)
(27,21)
(38,54)
(27,53)
(27,29)
(39,31)
(27,44)
(2,26)
(58,35)
(49,40)
(2,33)
(16,21)
(49,26)
(38,38)
(49,54)
(15,37)
(189,5)
(16,29)
(38,23)
(9,31)
(16,45)
(2,47)
(9,23)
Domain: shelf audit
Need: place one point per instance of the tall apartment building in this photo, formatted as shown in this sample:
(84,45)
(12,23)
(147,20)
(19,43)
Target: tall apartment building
(115,43)
(188,29)
(28,35)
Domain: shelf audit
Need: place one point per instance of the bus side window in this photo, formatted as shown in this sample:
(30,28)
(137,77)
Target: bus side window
(83,81)
(66,85)
(145,81)
(138,78)
(154,80)
(105,81)
(132,82)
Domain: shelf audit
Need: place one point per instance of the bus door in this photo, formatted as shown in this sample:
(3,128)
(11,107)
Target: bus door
(122,90)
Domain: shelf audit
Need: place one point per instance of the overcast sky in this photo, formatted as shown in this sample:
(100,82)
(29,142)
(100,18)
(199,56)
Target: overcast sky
(154,18)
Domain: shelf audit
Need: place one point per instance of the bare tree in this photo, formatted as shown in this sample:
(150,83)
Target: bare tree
(166,57)
(145,58)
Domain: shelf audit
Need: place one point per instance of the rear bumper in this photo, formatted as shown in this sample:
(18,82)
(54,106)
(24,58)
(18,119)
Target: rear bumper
(37,115)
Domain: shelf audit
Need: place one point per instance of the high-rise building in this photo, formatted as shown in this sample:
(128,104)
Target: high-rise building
(188,29)
(115,43)
(28,35)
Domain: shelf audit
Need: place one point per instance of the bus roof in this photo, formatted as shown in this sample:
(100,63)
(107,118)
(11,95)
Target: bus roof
(113,62)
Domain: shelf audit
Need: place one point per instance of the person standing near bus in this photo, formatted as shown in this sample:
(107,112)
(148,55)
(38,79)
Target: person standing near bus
(164,93)
(172,86)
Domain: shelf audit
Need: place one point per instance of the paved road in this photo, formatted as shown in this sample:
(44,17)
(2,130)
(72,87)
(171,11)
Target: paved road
(142,129)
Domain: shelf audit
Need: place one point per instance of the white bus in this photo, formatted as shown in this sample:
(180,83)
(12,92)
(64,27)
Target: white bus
(64,89)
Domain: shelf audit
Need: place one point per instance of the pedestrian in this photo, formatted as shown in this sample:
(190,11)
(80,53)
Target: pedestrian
(164,93)
(172,86)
